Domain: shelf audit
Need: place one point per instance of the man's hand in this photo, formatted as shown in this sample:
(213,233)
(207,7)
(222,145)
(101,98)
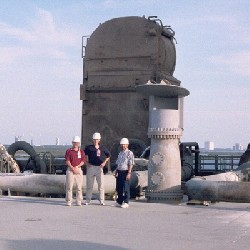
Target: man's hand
(102,165)
(75,170)
(128,176)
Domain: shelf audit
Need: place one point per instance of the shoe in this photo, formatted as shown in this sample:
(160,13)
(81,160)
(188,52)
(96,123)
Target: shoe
(116,205)
(86,203)
(102,203)
(68,203)
(78,203)
(124,205)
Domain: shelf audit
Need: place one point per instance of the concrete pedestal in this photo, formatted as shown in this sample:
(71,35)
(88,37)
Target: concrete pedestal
(165,129)
(164,171)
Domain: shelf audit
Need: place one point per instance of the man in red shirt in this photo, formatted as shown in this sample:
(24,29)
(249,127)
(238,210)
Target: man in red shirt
(75,158)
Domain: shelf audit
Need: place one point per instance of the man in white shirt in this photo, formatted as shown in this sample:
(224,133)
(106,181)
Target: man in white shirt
(125,162)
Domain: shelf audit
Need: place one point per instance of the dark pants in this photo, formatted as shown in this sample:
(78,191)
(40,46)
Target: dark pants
(122,187)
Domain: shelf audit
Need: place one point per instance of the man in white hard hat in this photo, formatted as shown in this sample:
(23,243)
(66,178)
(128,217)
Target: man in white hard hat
(75,158)
(125,162)
(97,157)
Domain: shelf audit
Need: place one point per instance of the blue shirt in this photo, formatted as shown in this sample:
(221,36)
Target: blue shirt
(96,156)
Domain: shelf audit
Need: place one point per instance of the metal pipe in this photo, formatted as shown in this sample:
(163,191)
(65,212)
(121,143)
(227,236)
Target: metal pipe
(55,184)
(208,190)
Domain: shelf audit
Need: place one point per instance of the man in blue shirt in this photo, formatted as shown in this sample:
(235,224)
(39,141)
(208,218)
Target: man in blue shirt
(97,157)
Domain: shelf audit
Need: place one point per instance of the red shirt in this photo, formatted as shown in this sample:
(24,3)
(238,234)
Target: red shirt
(75,157)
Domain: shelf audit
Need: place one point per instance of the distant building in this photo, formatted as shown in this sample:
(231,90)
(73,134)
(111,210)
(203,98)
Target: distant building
(18,138)
(238,147)
(57,141)
(209,145)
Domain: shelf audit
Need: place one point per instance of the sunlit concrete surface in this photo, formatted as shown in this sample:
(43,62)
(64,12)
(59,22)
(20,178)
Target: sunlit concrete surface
(46,223)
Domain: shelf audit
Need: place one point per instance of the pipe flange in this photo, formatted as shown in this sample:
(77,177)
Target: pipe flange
(165,133)
(157,178)
(157,159)
(173,195)
(165,137)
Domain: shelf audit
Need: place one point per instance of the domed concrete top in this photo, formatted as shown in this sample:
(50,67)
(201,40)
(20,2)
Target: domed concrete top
(162,89)
(132,44)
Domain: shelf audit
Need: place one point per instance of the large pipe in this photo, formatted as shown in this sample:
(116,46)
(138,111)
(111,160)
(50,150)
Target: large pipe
(208,190)
(227,176)
(40,166)
(55,184)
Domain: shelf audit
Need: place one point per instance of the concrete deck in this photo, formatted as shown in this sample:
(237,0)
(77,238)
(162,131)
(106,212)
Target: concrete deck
(46,223)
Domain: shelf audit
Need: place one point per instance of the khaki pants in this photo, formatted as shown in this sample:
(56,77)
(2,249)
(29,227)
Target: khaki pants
(70,180)
(92,173)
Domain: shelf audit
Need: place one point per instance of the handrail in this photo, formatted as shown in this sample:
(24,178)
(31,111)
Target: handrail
(218,163)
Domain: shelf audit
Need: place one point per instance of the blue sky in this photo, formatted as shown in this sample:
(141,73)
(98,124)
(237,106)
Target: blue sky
(41,65)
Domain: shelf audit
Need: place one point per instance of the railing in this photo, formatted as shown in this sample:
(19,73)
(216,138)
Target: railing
(217,163)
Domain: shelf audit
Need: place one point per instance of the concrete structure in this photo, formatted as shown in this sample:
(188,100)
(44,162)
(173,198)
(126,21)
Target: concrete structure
(119,55)
(18,138)
(57,141)
(238,147)
(165,129)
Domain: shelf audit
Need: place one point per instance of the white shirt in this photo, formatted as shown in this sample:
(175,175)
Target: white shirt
(125,159)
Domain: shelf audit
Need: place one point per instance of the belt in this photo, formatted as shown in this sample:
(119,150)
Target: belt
(122,170)
(74,167)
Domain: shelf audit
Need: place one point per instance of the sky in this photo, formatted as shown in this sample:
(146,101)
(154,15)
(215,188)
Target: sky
(41,65)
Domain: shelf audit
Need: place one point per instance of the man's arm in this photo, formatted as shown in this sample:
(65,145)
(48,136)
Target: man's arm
(130,167)
(87,161)
(81,164)
(83,159)
(69,165)
(129,172)
(107,153)
(105,162)
(74,170)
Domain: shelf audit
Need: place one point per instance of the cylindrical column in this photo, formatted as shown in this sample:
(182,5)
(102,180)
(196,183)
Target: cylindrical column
(165,129)
(164,168)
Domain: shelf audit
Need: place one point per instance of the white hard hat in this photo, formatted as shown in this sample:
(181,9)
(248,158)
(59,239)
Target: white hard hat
(76,139)
(96,136)
(124,141)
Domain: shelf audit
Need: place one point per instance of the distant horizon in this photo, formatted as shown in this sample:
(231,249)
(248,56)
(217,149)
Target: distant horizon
(69,144)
